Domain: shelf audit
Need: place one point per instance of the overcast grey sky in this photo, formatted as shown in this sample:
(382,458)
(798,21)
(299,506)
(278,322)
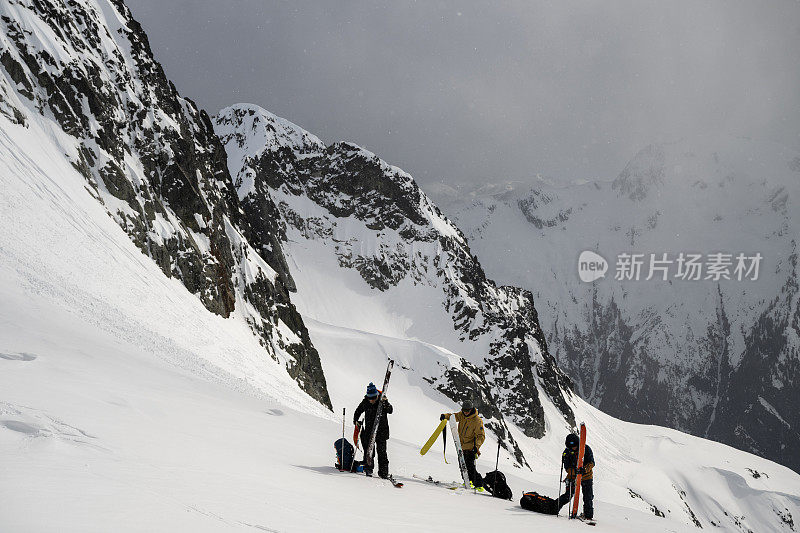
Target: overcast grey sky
(473,91)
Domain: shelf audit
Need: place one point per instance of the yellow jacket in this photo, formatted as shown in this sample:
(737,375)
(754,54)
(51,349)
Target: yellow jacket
(470,430)
(589,467)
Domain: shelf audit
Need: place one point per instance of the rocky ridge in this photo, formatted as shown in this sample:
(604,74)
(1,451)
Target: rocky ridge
(151,157)
(379,223)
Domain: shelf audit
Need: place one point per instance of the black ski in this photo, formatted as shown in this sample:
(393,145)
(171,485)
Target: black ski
(454,485)
(371,448)
(443,484)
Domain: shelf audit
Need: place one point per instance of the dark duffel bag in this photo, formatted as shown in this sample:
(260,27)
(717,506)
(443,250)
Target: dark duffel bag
(533,501)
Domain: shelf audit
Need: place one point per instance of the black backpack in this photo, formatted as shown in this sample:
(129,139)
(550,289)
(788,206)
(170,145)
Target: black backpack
(343,447)
(533,501)
(495,483)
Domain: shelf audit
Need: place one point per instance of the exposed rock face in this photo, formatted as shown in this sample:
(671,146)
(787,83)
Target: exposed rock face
(377,221)
(758,408)
(152,158)
(717,358)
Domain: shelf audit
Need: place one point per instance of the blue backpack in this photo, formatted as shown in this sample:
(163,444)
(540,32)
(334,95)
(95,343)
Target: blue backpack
(345,453)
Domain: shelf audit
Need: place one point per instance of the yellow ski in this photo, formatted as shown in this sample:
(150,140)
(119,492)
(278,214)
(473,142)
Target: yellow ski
(433,438)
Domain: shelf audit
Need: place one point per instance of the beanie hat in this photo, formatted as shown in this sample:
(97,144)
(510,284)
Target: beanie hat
(467,405)
(372,391)
(572,440)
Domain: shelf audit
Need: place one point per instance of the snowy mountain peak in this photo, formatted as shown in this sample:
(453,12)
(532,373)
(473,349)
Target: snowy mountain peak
(645,171)
(265,131)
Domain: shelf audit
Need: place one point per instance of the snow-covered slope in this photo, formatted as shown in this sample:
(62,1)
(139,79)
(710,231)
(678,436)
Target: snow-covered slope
(81,76)
(126,405)
(715,358)
(138,384)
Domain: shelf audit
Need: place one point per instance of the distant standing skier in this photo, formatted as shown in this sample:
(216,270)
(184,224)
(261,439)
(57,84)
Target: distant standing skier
(570,461)
(369,407)
(472,435)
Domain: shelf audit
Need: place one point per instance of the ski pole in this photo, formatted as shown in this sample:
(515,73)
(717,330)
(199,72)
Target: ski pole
(497,460)
(558,493)
(496,466)
(341,461)
(444,446)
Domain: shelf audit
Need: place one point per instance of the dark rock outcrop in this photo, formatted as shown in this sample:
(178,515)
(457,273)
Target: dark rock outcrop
(152,158)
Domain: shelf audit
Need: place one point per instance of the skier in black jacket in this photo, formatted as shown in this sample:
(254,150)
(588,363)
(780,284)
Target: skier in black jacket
(369,406)
(570,461)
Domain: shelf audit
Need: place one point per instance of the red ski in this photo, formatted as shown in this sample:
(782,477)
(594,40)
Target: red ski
(356,433)
(578,476)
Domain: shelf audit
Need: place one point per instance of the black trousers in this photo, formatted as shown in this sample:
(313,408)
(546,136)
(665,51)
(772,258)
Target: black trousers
(587,494)
(474,476)
(383,457)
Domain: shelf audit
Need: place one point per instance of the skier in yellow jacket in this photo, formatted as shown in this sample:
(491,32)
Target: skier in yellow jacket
(472,435)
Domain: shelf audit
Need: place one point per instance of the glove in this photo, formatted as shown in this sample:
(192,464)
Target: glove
(442,417)
(581,470)
(383,398)
(476,451)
